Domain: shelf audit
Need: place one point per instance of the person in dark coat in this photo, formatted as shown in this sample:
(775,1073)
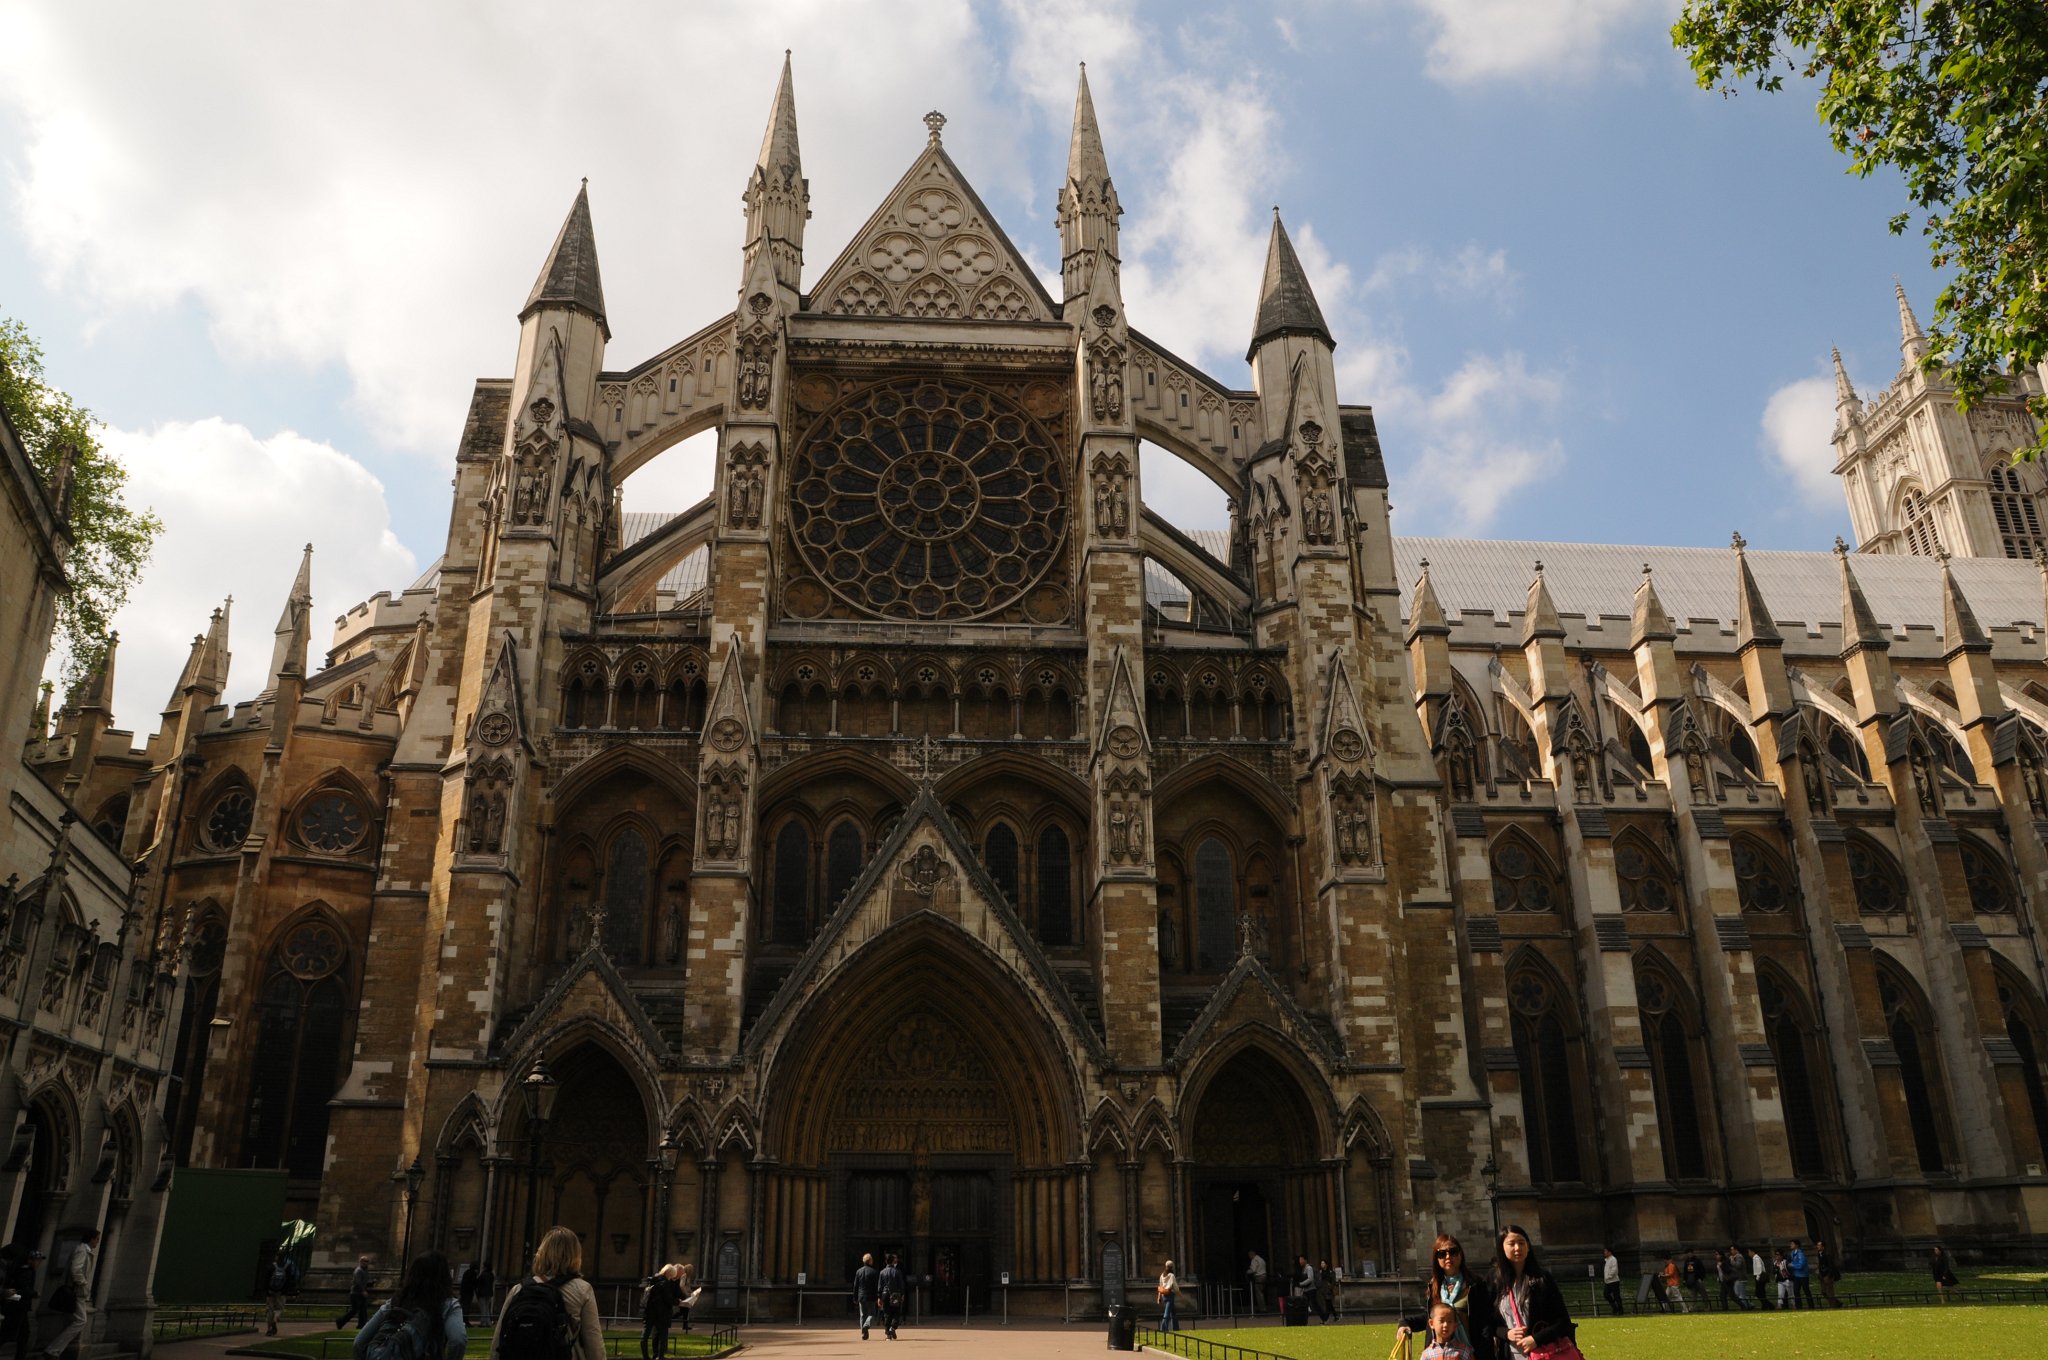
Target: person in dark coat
(18,1300)
(867,1287)
(1529,1303)
(658,1302)
(1944,1273)
(891,1288)
(1465,1291)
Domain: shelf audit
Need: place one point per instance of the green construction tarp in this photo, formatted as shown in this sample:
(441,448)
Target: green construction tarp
(220,1228)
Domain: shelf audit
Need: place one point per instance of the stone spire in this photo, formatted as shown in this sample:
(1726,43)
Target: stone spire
(1539,618)
(95,689)
(1859,625)
(294,626)
(778,197)
(1959,628)
(1088,207)
(1912,340)
(569,278)
(1752,616)
(1651,623)
(1848,410)
(1287,305)
(1427,613)
(213,672)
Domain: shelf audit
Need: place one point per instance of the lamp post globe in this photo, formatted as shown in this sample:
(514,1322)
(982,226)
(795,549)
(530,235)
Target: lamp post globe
(537,1091)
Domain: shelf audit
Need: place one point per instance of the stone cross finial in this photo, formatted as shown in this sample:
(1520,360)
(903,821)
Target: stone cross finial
(926,748)
(1646,568)
(936,122)
(1539,566)
(1737,541)
(1841,548)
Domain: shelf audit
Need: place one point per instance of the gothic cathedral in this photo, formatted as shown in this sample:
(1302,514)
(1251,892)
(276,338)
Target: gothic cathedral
(922,845)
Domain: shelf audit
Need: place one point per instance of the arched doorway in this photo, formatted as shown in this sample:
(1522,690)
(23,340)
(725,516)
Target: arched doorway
(44,1178)
(1258,1183)
(922,1106)
(594,1165)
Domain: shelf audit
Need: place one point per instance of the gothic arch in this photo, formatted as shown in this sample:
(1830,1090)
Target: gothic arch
(1228,479)
(467,1125)
(638,450)
(616,760)
(566,1034)
(1645,874)
(634,572)
(1805,1079)
(343,782)
(1362,1124)
(1525,875)
(1106,1128)
(1228,770)
(1909,1025)
(1312,1083)
(211,816)
(791,777)
(2026,1029)
(924,975)
(1548,1038)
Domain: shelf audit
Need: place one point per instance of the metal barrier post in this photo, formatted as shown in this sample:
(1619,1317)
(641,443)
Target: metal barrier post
(799,1305)
(966,1302)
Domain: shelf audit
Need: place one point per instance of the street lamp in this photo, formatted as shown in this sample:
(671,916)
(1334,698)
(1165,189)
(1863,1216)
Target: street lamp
(537,1090)
(413,1176)
(1491,1173)
(664,1177)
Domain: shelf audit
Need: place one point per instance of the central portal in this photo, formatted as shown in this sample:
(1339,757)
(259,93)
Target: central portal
(921,1109)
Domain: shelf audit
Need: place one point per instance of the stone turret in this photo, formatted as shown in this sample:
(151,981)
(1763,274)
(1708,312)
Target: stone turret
(778,197)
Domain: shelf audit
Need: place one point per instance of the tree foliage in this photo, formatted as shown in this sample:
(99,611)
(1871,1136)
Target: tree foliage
(110,541)
(1953,94)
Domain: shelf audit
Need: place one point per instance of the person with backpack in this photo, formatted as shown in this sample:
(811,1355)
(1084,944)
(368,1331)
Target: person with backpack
(423,1323)
(278,1285)
(658,1299)
(551,1314)
(893,1286)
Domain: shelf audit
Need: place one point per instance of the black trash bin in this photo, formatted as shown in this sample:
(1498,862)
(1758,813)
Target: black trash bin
(1123,1327)
(1297,1311)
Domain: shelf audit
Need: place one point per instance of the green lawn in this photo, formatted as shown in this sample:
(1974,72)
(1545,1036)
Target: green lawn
(1873,1334)
(335,1345)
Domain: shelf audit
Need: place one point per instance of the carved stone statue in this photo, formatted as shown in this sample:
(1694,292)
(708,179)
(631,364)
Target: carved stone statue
(670,930)
(756,369)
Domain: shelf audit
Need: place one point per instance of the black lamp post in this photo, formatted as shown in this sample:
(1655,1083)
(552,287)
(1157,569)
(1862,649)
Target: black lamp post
(537,1089)
(664,1162)
(413,1176)
(1491,1171)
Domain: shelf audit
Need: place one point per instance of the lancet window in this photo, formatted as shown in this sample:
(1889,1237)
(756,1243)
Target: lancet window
(1544,1059)
(300,1015)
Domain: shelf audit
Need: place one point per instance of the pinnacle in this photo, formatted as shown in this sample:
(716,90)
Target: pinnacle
(1427,613)
(570,277)
(1287,305)
(1912,340)
(1752,616)
(1651,622)
(1859,624)
(1845,394)
(779,151)
(1539,619)
(1959,628)
(1087,165)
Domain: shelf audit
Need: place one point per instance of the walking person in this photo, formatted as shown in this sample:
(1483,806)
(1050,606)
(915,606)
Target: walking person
(1756,1279)
(1724,1275)
(551,1314)
(1256,1274)
(424,1322)
(1782,1268)
(1531,1305)
(277,1287)
(893,1287)
(486,1291)
(658,1299)
(1610,1279)
(358,1296)
(867,1286)
(465,1288)
(1326,1291)
(686,1281)
(1802,1270)
(18,1301)
(78,1272)
(1695,1279)
(1944,1273)
(1830,1271)
(1169,1294)
(1465,1291)
(1674,1293)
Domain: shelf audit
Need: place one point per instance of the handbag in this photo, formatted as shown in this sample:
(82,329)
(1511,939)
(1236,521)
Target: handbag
(1564,1348)
(63,1299)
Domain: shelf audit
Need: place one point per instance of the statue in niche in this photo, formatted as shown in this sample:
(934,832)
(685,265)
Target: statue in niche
(1815,780)
(1318,519)
(1106,382)
(486,821)
(745,509)
(1696,774)
(756,367)
(669,929)
(1169,940)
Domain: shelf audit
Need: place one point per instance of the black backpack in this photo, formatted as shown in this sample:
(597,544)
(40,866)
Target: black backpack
(535,1323)
(407,1335)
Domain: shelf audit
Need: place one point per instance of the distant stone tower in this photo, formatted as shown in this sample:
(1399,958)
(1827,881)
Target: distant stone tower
(1924,477)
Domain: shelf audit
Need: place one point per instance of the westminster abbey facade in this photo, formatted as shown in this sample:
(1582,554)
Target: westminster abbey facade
(922,845)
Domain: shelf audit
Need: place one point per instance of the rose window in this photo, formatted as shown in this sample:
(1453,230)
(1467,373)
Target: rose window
(928,501)
(227,821)
(333,822)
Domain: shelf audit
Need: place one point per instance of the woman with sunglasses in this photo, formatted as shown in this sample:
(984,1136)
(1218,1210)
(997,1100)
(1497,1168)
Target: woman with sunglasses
(1464,1291)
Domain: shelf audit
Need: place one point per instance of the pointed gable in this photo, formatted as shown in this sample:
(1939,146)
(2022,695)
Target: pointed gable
(728,724)
(933,251)
(1343,733)
(1121,735)
(500,717)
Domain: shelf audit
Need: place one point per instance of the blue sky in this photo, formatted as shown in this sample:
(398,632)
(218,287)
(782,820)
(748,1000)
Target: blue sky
(272,246)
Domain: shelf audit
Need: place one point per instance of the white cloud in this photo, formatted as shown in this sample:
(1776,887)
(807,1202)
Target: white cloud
(1480,40)
(237,510)
(1798,429)
(1474,274)
(1473,442)
(377,193)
